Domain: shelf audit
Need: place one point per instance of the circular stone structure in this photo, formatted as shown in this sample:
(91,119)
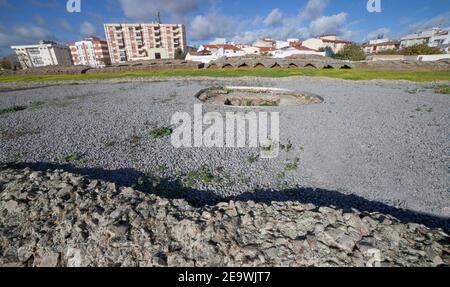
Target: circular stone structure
(255,97)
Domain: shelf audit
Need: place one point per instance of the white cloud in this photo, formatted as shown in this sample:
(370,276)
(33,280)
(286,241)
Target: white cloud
(274,17)
(441,21)
(329,24)
(313,9)
(65,25)
(88,29)
(212,25)
(39,20)
(21,35)
(374,34)
(145,10)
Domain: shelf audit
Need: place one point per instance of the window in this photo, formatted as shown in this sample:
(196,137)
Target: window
(157,55)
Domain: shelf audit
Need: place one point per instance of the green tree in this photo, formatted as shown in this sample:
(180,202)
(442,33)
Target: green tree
(180,54)
(5,64)
(389,52)
(420,49)
(351,52)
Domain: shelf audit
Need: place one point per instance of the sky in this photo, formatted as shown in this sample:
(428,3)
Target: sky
(28,21)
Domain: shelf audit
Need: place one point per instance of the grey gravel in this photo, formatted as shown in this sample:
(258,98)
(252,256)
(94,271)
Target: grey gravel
(373,145)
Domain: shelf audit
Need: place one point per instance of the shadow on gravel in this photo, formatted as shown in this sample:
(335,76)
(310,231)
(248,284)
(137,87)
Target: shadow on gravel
(173,189)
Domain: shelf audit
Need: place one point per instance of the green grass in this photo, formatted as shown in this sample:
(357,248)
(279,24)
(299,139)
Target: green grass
(200,175)
(292,166)
(12,109)
(74,157)
(358,74)
(443,90)
(160,133)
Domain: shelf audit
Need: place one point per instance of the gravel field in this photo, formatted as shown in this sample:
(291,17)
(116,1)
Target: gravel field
(372,145)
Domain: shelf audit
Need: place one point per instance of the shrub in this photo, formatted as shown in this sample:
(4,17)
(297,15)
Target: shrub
(420,49)
(351,52)
(180,54)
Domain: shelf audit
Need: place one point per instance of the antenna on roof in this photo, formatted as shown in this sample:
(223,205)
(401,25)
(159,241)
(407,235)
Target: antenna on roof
(158,17)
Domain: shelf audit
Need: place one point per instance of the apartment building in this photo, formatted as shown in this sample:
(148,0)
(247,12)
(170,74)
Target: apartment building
(326,41)
(91,52)
(46,53)
(380,45)
(134,42)
(433,38)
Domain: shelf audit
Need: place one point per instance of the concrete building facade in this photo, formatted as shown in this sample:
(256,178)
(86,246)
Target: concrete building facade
(91,52)
(380,45)
(46,53)
(326,41)
(433,38)
(135,42)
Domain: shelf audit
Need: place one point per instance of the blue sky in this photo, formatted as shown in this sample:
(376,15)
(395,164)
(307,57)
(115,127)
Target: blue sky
(27,21)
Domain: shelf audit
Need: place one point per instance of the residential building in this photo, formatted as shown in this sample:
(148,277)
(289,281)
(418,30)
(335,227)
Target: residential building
(46,53)
(134,42)
(91,52)
(326,41)
(379,45)
(433,38)
(225,50)
(296,50)
(264,42)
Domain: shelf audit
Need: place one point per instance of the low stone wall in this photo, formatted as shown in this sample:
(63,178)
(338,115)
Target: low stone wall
(149,66)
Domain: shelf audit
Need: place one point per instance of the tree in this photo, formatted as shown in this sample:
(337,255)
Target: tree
(180,54)
(420,49)
(388,52)
(351,52)
(5,64)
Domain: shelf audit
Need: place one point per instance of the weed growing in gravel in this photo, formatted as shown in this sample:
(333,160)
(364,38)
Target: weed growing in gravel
(292,166)
(73,157)
(12,109)
(430,110)
(36,104)
(442,90)
(287,148)
(161,133)
(252,159)
(200,175)
(18,133)
(149,180)
(418,109)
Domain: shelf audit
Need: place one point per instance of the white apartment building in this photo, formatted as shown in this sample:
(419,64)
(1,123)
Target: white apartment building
(46,53)
(379,45)
(134,42)
(433,38)
(91,52)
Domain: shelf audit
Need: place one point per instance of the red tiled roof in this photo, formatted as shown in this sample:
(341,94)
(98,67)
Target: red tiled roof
(266,49)
(303,48)
(225,47)
(336,41)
